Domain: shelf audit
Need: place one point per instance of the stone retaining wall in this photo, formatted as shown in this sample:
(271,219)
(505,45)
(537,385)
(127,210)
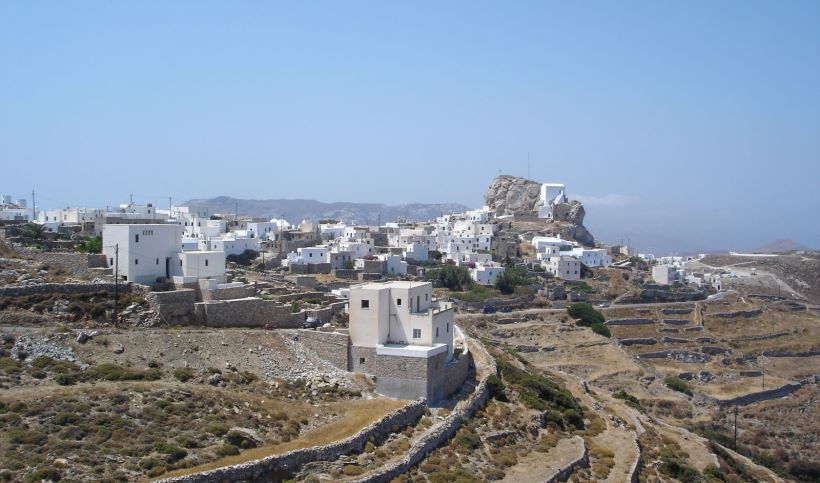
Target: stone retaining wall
(761,337)
(639,341)
(563,474)
(637,466)
(739,313)
(630,322)
(330,346)
(676,321)
(175,307)
(442,431)
(64,289)
(249,312)
(763,395)
(288,462)
(229,293)
(76,264)
(674,311)
(791,353)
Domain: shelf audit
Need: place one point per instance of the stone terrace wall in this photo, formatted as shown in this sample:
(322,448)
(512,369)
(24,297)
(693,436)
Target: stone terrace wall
(763,395)
(330,346)
(674,311)
(290,461)
(175,307)
(76,264)
(630,322)
(637,466)
(64,288)
(563,474)
(249,312)
(229,293)
(442,431)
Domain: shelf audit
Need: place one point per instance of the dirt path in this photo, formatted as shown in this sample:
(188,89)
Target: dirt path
(535,466)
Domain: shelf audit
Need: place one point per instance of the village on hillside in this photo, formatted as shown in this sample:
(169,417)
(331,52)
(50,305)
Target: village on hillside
(491,344)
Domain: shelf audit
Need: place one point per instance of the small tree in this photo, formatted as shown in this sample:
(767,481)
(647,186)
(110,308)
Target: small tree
(586,314)
(93,245)
(452,277)
(33,230)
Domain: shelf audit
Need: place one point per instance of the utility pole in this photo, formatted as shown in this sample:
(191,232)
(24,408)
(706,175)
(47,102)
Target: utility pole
(116,281)
(735,440)
(235,213)
(33,208)
(763,371)
(528,165)
(170,207)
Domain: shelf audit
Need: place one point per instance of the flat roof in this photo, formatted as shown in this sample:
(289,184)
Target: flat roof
(392,284)
(407,350)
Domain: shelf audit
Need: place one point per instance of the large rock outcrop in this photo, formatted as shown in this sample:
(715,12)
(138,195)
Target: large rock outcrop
(509,194)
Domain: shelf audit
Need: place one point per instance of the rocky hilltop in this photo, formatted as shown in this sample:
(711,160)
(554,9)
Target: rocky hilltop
(509,195)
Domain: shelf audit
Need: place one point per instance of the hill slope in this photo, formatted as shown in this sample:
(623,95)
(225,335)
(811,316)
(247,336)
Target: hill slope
(780,246)
(312,210)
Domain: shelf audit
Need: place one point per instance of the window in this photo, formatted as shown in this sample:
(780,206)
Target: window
(365,304)
(417,333)
(436,331)
(136,261)
(425,297)
(157,261)
(448,327)
(111,261)
(180,263)
(136,238)
(361,360)
(206,262)
(398,302)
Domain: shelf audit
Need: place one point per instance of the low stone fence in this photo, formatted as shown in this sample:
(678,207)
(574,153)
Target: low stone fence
(64,289)
(310,268)
(761,337)
(299,296)
(347,274)
(677,311)
(639,341)
(763,395)
(331,346)
(444,430)
(739,313)
(563,474)
(637,466)
(292,460)
(674,340)
(76,264)
(630,322)
(676,321)
(791,353)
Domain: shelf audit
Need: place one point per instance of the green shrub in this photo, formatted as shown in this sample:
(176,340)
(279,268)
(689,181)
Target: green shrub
(175,453)
(677,468)
(352,470)
(63,419)
(27,436)
(601,329)
(468,439)
(217,429)
(187,441)
(629,399)
(65,379)
(586,314)
(456,278)
(676,384)
(46,473)
(183,374)
(227,450)
(496,386)
(805,470)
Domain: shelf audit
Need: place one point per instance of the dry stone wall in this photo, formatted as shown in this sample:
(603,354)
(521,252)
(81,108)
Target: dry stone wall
(330,346)
(175,307)
(563,474)
(291,461)
(630,322)
(65,289)
(763,395)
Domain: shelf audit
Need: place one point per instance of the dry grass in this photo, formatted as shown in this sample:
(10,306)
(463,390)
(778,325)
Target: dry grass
(355,415)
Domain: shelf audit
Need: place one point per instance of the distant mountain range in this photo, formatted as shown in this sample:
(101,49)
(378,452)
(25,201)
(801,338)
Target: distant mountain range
(779,246)
(297,210)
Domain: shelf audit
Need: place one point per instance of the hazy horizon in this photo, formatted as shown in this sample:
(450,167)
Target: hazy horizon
(683,127)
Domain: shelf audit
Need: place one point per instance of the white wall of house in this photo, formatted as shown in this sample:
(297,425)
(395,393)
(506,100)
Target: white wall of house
(486,274)
(197,265)
(146,252)
(399,313)
(567,268)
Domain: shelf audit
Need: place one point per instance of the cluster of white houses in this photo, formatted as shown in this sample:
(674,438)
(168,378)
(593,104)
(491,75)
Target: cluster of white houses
(180,244)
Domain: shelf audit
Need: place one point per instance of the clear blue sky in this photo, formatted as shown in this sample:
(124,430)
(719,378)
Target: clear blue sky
(682,125)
